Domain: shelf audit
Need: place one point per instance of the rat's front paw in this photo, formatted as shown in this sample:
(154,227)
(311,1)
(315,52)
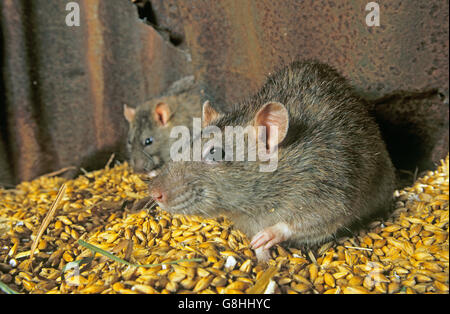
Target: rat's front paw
(265,239)
(271,236)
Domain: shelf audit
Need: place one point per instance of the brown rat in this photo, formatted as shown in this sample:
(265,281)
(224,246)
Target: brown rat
(150,123)
(333,168)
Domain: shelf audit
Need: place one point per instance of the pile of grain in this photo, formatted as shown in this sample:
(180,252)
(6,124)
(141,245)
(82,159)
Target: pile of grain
(408,253)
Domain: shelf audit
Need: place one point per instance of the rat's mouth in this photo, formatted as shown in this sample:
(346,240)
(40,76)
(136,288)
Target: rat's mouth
(147,163)
(184,201)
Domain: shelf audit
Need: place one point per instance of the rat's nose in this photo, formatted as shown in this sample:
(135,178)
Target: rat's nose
(137,164)
(158,195)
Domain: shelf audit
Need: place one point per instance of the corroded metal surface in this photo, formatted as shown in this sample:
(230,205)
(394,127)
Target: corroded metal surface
(239,41)
(65,86)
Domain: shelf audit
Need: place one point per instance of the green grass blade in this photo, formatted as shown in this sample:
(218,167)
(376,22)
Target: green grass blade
(7,289)
(119,260)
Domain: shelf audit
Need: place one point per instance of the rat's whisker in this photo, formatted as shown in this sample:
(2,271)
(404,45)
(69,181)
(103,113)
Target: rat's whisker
(147,155)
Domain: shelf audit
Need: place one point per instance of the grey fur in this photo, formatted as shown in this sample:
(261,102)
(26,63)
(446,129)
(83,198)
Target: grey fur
(333,167)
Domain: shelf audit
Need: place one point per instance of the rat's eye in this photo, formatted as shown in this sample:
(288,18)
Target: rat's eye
(215,154)
(148,141)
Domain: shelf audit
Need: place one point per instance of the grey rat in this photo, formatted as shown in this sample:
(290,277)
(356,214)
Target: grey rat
(148,139)
(333,167)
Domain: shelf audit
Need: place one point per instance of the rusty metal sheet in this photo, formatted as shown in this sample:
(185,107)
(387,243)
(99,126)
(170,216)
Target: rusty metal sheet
(65,86)
(235,43)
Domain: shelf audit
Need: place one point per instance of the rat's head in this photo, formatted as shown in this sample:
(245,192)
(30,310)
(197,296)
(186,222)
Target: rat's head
(218,181)
(149,133)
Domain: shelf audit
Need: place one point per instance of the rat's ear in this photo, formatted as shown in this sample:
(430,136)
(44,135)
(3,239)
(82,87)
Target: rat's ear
(129,113)
(275,117)
(162,114)
(208,113)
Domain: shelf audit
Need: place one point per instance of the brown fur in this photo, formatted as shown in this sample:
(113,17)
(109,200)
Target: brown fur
(333,167)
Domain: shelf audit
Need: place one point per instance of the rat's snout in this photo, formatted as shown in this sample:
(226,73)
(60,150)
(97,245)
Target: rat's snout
(173,191)
(141,164)
(158,195)
(138,164)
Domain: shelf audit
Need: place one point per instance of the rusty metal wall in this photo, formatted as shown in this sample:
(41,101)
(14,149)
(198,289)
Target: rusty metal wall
(236,41)
(65,86)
